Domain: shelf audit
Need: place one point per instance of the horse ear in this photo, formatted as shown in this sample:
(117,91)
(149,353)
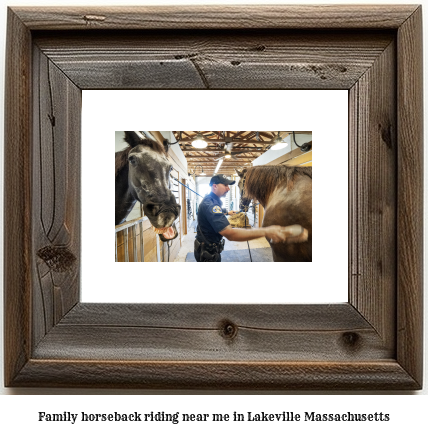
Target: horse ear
(132,138)
(166,145)
(238,173)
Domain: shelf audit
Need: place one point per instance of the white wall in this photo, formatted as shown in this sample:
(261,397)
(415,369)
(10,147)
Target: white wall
(119,142)
(175,148)
(271,155)
(201,181)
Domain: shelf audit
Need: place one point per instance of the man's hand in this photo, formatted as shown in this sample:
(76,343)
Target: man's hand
(286,234)
(231,212)
(276,234)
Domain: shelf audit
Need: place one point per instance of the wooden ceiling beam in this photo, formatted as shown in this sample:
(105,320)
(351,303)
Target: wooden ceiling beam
(237,141)
(243,160)
(247,139)
(214,149)
(213,165)
(212,159)
(247,142)
(183,132)
(228,161)
(263,134)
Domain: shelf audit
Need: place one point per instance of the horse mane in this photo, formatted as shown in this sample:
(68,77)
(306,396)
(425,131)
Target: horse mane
(261,181)
(121,157)
(121,160)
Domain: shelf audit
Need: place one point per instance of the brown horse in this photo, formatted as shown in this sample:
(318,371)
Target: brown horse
(285,192)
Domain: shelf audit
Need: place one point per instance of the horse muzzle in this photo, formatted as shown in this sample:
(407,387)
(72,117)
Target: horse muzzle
(170,234)
(162,218)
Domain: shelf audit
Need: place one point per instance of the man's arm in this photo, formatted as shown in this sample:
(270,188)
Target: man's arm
(277,234)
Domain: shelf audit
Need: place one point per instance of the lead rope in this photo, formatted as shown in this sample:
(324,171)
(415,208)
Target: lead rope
(248,243)
(249,251)
(245,208)
(184,185)
(169,245)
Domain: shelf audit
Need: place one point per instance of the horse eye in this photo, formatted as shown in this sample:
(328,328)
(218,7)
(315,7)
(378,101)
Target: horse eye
(132,159)
(170,169)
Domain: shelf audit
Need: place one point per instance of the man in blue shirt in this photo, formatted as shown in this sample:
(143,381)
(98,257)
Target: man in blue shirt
(213,225)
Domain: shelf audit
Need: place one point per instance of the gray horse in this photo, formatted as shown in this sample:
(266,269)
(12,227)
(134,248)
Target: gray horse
(142,173)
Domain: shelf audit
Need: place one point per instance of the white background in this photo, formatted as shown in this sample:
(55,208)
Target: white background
(324,280)
(20,412)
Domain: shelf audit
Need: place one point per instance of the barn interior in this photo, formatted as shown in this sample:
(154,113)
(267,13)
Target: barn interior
(195,157)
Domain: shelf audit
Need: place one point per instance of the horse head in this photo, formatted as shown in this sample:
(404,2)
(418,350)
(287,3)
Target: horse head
(149,182)
(245,201)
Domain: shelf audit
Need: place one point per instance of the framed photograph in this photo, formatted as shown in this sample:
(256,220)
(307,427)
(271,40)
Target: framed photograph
(242,267)
(373,341)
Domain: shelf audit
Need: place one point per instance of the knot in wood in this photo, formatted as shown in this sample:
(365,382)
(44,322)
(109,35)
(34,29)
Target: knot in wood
(89,18)
(58,259)
(228,330)
(386,134)
(351,340)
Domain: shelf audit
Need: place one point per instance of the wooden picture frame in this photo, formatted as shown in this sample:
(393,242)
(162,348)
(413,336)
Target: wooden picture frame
(372,342)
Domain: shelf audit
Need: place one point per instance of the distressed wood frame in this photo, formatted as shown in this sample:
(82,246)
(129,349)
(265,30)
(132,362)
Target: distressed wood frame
(372,342)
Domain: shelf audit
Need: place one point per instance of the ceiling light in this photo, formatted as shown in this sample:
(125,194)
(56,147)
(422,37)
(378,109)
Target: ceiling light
(199,142)
(218,165)
(279,144)
(228,156)
(202,173)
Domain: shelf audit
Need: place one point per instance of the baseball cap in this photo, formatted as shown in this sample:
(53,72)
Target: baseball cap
(221,179)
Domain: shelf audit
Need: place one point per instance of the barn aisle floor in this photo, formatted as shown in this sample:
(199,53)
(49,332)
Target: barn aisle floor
(188,240)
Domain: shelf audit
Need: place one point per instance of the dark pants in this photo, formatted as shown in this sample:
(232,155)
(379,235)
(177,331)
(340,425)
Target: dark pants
(198,256)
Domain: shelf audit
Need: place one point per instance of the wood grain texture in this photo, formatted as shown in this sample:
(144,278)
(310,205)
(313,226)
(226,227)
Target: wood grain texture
(216,17)
(55,194)
(341,317)
(373,180)
(17,198)
(198,332)
(372,342)
(385,375)
(410,196)
(216,59)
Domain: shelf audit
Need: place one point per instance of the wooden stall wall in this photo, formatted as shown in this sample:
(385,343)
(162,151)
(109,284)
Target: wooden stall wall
(184,207)
(191,183)
(149,246)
